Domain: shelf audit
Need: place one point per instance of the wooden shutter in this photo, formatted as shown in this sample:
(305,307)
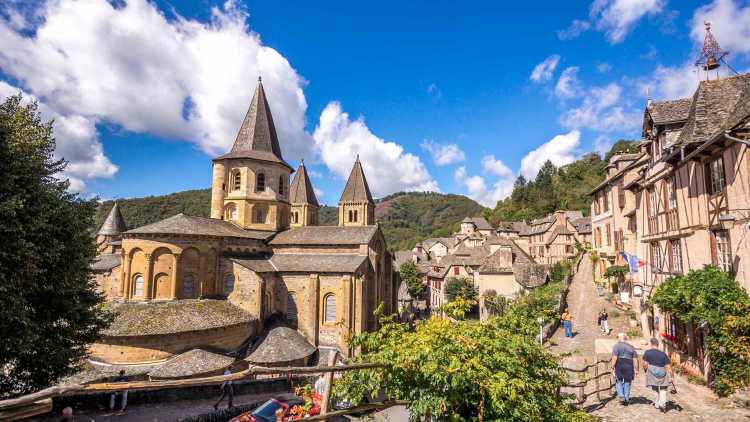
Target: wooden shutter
(291,307)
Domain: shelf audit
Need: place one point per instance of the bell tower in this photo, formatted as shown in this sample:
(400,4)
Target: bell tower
(250,184)
(302,198)
(356,207)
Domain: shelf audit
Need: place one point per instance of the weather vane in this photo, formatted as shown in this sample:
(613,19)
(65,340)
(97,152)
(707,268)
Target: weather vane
(711,53)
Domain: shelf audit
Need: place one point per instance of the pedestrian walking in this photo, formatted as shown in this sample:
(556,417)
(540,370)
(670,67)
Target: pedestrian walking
(113,397)
(658,370)
(67,415)
(567,322)
(227,390)
(624,365)
(604,321)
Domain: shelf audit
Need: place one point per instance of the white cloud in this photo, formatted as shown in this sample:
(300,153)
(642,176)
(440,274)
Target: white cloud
(730,25)
(477,187)
(387,166)
(544,71)
(603,67)
(434,91)
(560,150)
(602,144)
(443,154)
(616,18)
(131,66)
(492,165)
(601,111)
(576,28)
(568,85)
(669,83)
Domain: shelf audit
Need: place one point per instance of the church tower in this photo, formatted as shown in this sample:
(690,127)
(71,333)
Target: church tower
(109,236)
(356,207)
(302,197)
(250,184)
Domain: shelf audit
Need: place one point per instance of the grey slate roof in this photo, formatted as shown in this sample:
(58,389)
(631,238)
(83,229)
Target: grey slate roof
(106,262)
(325,235)
(257,136)
(301,190)
(324,263)
(114,224)
(672,111)
(716,106)
(158,318)
(508,226)
(186,224)
(557,231)
(280,344)
(356,189)
(582,225)
(192,363)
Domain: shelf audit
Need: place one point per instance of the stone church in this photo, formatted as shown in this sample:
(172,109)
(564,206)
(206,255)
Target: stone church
(193,282)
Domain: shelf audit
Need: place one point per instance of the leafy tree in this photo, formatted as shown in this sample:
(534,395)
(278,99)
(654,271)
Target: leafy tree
(462,287)
(49,310)
(710,298)
(622,146)
(410,275)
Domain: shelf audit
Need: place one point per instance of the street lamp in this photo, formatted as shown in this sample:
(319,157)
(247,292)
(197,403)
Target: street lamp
(540,321)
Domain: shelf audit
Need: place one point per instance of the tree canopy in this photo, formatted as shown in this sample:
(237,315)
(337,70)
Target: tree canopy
(49,309)
(410,275)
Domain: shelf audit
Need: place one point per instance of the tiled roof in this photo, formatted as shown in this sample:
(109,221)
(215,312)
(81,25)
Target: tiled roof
(508,226)
(114,224)
(192,363)
(522,228)
(257,135)
(186,224)
(582,225)
(557,231)
(325,235)
(447,241)
(479,222)
(278,345)
(105,262)
(301,190)
(669,111)
(340,263)
(356,189)
(158,318)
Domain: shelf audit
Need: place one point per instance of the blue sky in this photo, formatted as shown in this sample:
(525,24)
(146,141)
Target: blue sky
(459,98)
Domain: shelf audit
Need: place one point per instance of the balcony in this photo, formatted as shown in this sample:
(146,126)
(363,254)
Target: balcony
(673,222)
(653,224)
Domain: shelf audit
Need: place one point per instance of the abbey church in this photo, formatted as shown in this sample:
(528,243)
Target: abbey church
(189,282)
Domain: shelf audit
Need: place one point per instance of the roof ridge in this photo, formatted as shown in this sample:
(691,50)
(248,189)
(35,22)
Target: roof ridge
(357,189)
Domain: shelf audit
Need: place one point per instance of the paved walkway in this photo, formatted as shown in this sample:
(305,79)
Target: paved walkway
(692,403)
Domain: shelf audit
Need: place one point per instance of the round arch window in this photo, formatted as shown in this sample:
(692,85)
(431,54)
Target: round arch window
(138,285)
(228,283)
(188,285)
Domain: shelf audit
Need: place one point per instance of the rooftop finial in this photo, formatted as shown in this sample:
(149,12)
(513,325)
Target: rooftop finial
(302,161)
(357,157)
(259,78)
(648,96)
(711,53)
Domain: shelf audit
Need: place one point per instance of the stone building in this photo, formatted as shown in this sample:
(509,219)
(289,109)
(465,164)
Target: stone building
(260,255)
(553,238)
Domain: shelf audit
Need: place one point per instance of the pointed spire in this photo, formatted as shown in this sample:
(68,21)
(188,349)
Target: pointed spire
(301,190)
(356,189)
(114,225)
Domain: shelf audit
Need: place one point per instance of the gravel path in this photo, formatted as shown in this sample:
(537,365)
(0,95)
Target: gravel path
(692,403)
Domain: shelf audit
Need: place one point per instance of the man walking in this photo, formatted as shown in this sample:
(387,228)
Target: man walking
(226,391)
(658,373)
(120,378)
(624,365)
(604,321)
(567,322)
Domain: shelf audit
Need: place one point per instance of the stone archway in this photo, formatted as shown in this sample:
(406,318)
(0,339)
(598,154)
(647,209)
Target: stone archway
(163,284)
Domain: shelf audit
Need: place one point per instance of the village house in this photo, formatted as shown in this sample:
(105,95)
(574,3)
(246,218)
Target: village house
(553,238)
(188,282)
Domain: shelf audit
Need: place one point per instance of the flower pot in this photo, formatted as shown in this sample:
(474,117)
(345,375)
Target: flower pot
(600,290)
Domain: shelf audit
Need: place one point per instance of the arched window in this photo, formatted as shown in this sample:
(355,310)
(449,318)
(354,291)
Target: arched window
(259,216)
(281,185)
(188,285)
(260,183)
(291,307)
(230,213)
(329,308)
(351,216)
(138,286)
(355,216)
(228,283)
(236,180)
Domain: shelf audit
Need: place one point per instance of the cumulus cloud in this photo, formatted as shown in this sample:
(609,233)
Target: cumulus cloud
(576,28)
(387,166)
(560,150)
(477,189)
(601,110)
(443,154)
(616,18)
(492,165)
(132,67)
(730,24)
(568,84)
(544,71)
(603,67)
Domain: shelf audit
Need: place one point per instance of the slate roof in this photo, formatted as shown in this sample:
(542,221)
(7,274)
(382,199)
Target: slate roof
(186,224)
(114,224)
(278,345)
(106,262)
(301,190)
(324,263)
(663,112)
(479,222)
(159,318)
(325,235)
(717,105)
(257,136)
(447,241)
(356,189)
(192,363)
(508,226)
(522,228)
(582,225)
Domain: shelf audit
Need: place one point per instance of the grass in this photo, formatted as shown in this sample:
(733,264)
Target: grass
(615,313)
(696,380)
(634,332)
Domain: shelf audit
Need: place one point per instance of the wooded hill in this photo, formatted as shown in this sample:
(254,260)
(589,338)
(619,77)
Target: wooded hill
(408,217)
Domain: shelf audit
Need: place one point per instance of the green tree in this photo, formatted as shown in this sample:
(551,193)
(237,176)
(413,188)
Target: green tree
(462,287)
(49,310)
(622,146)
(410,275)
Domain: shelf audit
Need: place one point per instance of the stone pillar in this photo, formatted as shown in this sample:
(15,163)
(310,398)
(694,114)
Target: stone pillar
(346,315)
(125,276)
(312,308)
(149,287)
(175,274)
(262,312)
(202,273)
(218,187)
(360,319)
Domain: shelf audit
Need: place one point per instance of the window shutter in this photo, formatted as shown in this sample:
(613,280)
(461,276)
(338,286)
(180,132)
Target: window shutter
(330,308)
(291,307)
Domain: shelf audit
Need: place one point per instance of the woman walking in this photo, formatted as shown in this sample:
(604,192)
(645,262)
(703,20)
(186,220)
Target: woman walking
(604,321)
(567,322)
(658,373)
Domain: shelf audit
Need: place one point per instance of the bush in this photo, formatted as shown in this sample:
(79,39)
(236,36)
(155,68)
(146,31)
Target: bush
(460,287)
(560,270)
(410,275)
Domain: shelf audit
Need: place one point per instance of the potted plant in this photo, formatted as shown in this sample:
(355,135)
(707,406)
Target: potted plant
(600,287)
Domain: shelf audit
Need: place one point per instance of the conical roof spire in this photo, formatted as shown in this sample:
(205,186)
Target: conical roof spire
(356,189)
(114,225)
(301,190)
(257,136)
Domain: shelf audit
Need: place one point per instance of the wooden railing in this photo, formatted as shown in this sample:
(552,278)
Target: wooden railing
(653,224)
(672,219)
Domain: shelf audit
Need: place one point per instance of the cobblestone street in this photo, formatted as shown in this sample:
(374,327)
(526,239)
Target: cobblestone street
(691,403)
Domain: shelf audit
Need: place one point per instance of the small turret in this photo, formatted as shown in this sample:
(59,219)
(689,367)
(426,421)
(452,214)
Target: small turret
(356,206)
(302,199)
(109,236)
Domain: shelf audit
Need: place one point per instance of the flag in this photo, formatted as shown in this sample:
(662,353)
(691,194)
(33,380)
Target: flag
(633,262)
